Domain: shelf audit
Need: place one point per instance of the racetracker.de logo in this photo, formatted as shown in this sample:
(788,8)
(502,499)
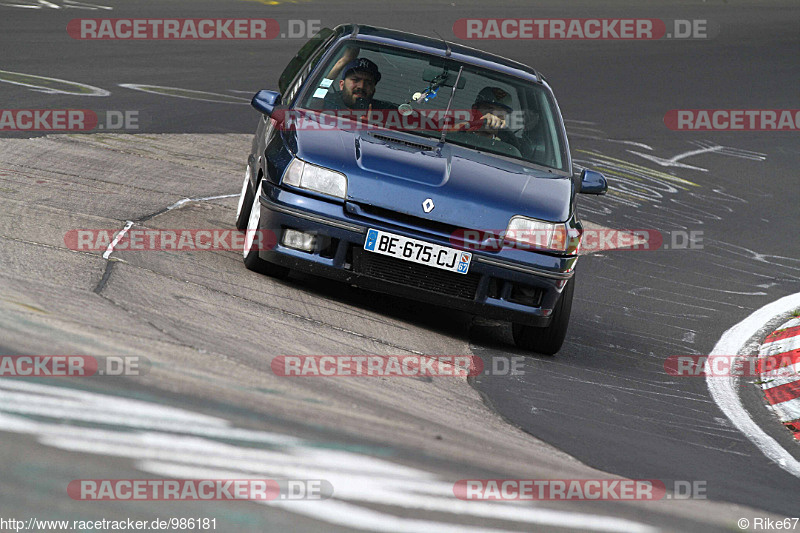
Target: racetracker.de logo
(405,118)
(173,489)
(47,119)
(591,240)
(559,489)
(785,364)
(518,28)
(173,240)
(39,366)
(377,365)
(173,29)
(733,119)
(584,29)
(199,489)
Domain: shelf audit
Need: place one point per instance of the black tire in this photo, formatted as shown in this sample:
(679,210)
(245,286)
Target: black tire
(251,259)
(547,340)
(245,201)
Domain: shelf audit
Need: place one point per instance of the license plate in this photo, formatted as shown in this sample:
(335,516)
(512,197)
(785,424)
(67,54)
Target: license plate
(416,251)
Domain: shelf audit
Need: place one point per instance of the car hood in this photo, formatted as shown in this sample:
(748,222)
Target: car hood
(398,172)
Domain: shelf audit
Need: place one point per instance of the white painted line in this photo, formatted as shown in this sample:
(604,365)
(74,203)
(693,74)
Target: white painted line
(83,5)
(787,344)
(573,129)
(632,143)
(140,415)
(786,325)
(579,121)
(705,147)
(117,238)
(202,96)
(783,375)
(734,152)
(780,376)
(340,512)
(573,133)
(673,162)
(791,323)
(779,346)
(31,81)
(39,4)
(205,198)
(786,411)
(179,203)
(169,441)
(724,390)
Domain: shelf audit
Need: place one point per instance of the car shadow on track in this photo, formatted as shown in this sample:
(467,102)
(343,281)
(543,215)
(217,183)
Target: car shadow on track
(431,317)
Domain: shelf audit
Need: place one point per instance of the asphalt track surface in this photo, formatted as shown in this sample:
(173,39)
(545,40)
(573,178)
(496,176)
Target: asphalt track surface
(210,327)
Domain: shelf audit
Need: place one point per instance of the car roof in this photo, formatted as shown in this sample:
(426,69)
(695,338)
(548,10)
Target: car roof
(438,47)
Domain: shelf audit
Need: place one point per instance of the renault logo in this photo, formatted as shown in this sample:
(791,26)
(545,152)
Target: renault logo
(427,205)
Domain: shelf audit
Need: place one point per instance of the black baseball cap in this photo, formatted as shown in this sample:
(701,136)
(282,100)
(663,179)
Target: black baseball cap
(494,96)
(364,64)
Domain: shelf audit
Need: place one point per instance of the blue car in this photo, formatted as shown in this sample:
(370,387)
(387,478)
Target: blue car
(419,168)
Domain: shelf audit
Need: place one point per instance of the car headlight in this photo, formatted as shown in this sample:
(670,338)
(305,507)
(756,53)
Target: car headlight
(314,178)
(531,234)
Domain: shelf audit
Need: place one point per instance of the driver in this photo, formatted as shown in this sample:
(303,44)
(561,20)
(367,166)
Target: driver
(357,87)
(493,106)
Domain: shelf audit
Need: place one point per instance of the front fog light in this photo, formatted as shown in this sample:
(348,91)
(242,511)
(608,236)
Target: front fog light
(299,240)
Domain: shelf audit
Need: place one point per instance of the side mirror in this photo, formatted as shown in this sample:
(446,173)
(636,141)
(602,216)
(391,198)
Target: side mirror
(266,101)
(593,182)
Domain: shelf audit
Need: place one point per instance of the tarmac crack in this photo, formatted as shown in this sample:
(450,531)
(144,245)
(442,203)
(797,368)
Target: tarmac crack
(104,279)
(101,285)
(284,312)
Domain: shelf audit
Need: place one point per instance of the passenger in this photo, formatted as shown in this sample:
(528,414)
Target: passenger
(491,109)
(357,87)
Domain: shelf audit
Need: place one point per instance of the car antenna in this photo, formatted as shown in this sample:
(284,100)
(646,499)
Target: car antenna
(449,103)
(447,53)
(446,44)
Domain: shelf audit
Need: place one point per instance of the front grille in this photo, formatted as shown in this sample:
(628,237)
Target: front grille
(490,241)
(401,219)
(422,277)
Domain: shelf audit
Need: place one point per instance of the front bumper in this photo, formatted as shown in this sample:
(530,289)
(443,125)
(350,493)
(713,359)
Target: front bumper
(499,285)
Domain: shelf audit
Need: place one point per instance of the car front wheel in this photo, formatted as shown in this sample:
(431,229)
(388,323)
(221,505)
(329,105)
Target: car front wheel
(253,241)
(547,340)
(245,201)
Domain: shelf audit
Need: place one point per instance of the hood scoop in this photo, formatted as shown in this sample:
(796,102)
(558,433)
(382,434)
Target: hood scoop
(416,146)
(405,159)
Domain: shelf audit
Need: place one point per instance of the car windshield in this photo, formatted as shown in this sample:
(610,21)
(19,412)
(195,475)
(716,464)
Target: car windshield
(490,111)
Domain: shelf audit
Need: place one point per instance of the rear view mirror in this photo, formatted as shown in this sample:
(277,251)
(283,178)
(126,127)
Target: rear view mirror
(593,182)
(431,73)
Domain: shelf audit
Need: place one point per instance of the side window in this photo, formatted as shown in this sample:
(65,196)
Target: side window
(300,59)
(288,96)
(299,80)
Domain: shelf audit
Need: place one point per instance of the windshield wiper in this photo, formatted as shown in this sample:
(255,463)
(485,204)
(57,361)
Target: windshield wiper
(449,103)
